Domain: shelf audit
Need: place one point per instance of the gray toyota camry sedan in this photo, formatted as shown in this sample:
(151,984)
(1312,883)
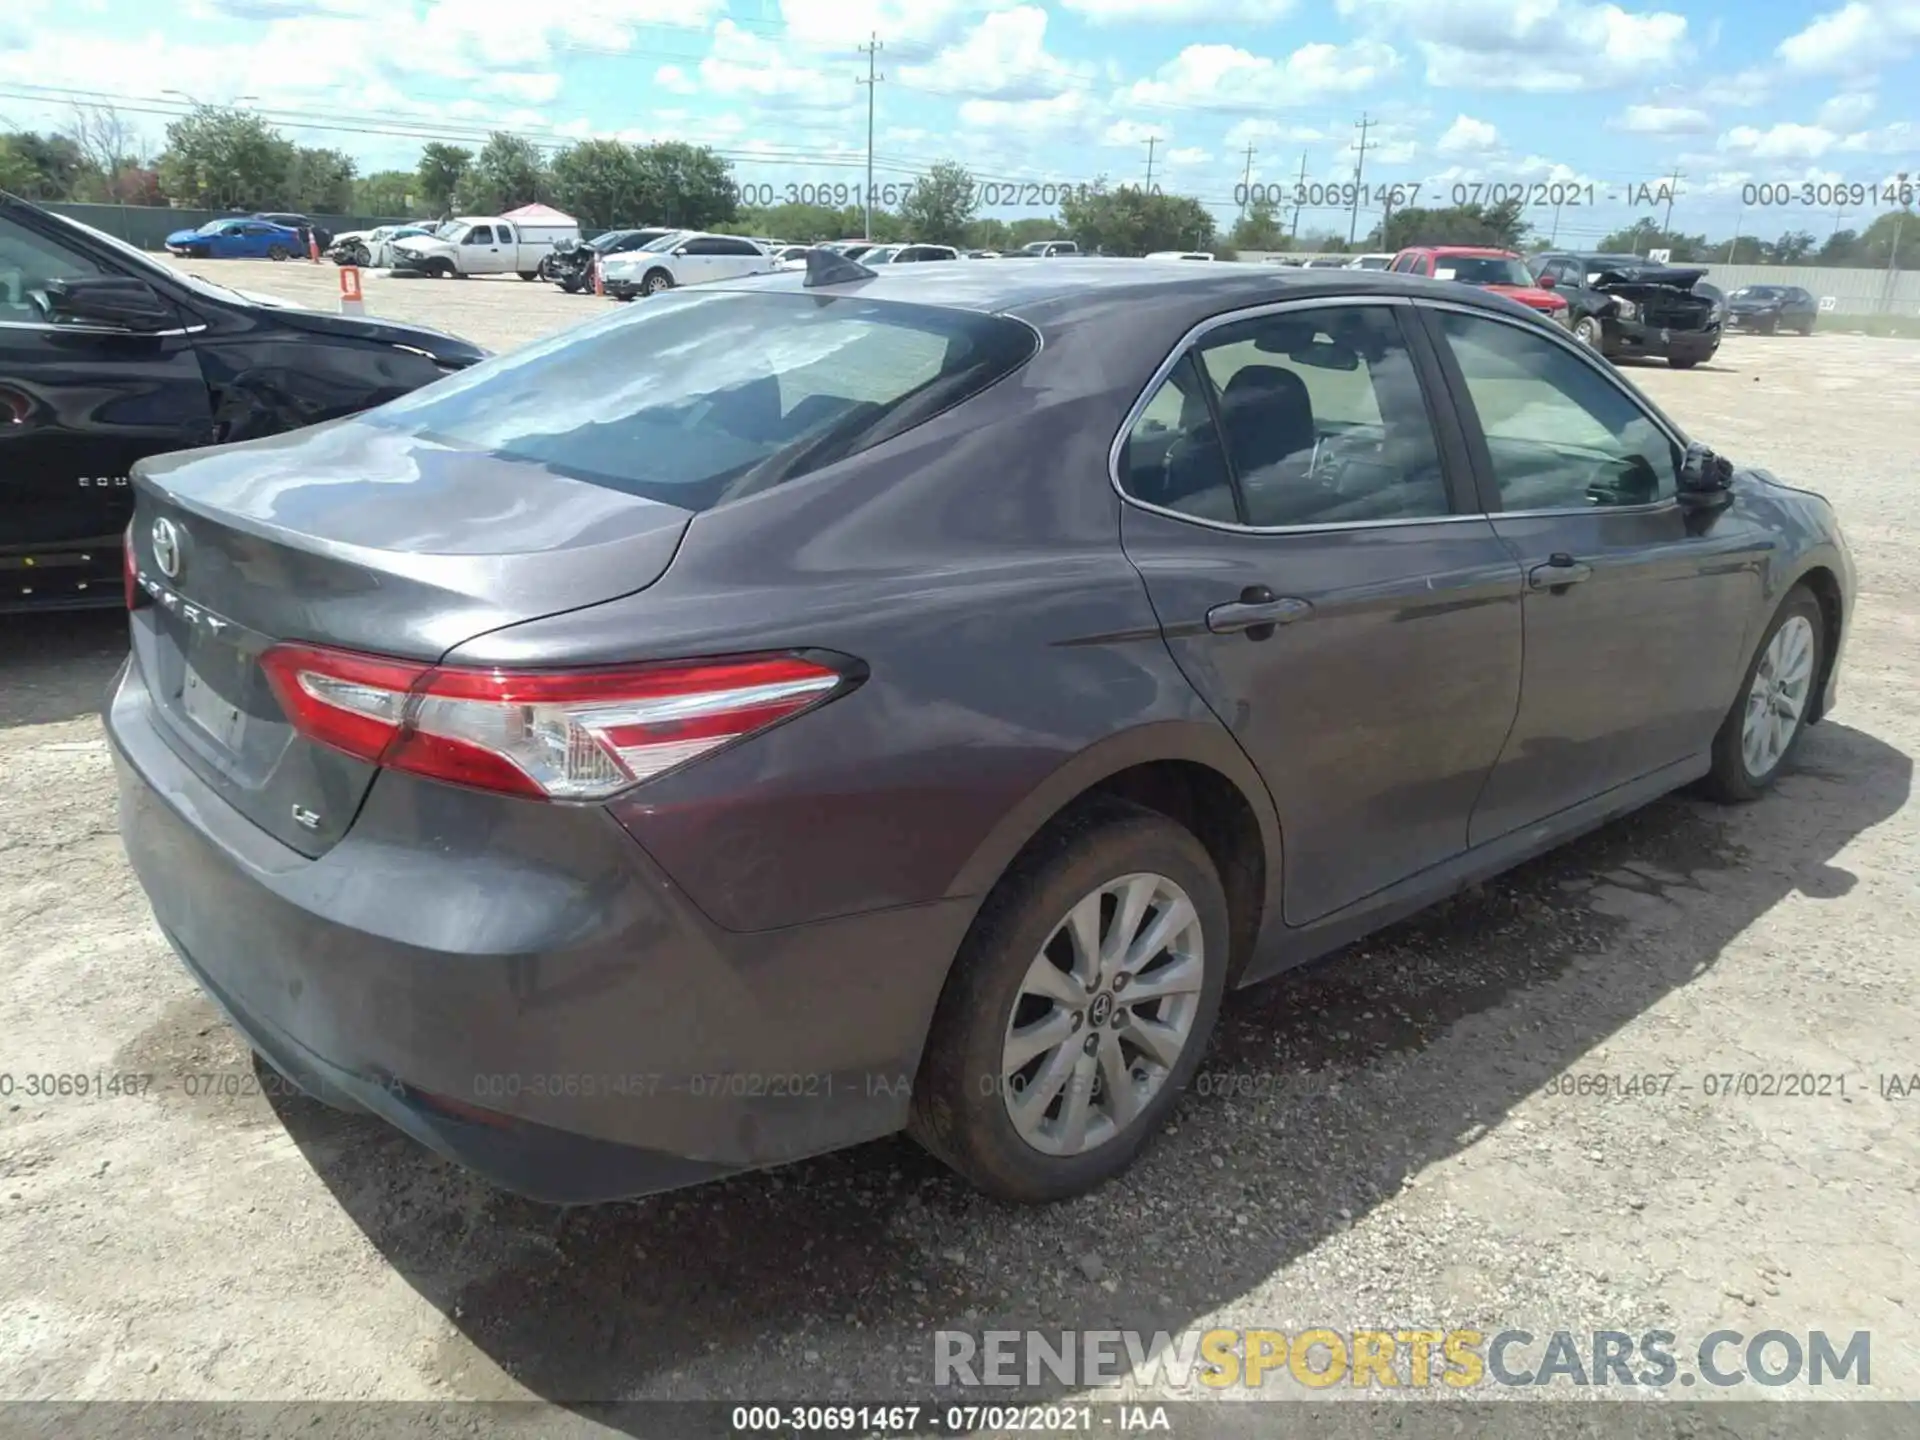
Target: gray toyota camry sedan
(801,708)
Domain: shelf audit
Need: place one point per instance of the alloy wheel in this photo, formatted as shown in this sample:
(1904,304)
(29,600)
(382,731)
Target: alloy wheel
(1103,1015)
(1777,699)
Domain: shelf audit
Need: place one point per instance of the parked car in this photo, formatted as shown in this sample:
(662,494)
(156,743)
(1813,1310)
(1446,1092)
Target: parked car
(790,257)
(481,245)
(1180,255)
(1373,261)
(1500,271)
(836,682)
(983,255)
(372,249)
(570,263)
(108,355)
(1325,262)
(908,254)
(1626,305)
(1048,249)
(236,240)
(682,257)
(301,226)
(1772,308)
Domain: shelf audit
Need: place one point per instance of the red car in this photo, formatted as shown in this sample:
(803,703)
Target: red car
(1497,270)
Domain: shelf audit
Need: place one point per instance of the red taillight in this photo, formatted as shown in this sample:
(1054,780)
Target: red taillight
(130,571)
(581,735)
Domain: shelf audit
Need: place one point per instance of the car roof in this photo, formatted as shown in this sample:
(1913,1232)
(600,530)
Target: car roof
(1491,252)
(1089,283)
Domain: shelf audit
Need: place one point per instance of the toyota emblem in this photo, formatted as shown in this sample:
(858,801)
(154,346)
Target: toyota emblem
(166,547)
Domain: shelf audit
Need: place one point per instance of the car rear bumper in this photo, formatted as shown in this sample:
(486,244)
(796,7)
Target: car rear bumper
(527,994)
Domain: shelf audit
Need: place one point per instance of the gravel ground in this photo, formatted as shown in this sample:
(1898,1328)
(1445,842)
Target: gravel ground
(1400,1159)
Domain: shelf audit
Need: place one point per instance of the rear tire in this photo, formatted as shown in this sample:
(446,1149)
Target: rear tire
(1121,871)
(1769,715)
(278,252)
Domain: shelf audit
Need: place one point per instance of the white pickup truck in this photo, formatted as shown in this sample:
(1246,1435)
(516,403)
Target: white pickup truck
(480,245)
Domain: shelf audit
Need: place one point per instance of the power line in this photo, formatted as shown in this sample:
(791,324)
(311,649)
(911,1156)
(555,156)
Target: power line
(872,51)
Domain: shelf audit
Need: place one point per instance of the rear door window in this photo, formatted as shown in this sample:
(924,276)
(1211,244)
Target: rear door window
(696,398)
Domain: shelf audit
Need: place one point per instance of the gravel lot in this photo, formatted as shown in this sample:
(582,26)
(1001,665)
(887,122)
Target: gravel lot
(1401,1160)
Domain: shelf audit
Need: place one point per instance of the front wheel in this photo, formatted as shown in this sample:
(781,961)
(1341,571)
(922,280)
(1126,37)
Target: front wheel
(656,281)
(1077,1009)
(1589,332)
(529,274)
(441,269)
(1676,363)
(1770,714)
(1769,326)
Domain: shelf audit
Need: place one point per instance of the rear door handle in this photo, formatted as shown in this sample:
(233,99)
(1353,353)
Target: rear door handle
(1258,608)
(1559,572)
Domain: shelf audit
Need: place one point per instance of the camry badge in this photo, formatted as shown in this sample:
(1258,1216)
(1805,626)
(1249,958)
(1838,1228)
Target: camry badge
(166,547)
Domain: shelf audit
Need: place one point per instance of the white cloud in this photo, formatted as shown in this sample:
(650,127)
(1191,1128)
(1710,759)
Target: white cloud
(1208,12)
(675,81)
(1243,133)
(1529,45)
(1847,110)
(1188,155)
(1132,133)
(1902,137)
(753,69)
(1003,58)
(1663,120)
(907,28)
(533,87)
(1856,39)
(1069,113)
(1468,136)
(1225,77)
(1784,141)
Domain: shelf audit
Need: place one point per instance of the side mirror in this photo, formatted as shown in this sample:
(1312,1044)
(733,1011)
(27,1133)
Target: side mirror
(1545,280)
(1706,479)
(679,251)
(120,301)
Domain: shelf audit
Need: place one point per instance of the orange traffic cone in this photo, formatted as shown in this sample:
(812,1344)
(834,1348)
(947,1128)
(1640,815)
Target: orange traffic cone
(313,247)
(599,285)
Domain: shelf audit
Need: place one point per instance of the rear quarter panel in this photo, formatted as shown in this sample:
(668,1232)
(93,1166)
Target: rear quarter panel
(974,565)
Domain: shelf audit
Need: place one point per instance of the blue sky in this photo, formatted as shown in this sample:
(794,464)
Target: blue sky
(1461,91)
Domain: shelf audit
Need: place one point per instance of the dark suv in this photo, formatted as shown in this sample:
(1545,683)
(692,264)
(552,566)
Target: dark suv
(1626,305)
(1772,308)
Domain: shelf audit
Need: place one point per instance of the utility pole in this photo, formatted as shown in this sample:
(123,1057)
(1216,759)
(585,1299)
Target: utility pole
(1673,185)
(1299,191)
(1734,243)
(1359,169)
(1553,237)
(1893,254)
(872,51)
(1152,140)
(1246,181)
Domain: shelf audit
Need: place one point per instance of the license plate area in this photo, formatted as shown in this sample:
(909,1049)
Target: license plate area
(223,721)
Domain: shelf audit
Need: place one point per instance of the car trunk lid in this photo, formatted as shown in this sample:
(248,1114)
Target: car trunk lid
(361,538)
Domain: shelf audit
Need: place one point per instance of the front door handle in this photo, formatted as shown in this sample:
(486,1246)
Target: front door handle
(1559,572)
(1257,611)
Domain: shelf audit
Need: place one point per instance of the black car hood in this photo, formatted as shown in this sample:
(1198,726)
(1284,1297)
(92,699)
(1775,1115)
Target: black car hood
(448,349)
(1651,280)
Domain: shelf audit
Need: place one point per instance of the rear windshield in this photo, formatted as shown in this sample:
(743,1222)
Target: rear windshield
(695,397)
(1481,270)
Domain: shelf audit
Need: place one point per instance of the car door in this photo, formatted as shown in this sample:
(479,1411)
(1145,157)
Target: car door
(480,251)
(78,405)
(507,242)
(1636,612)
(739,257)
(1303,520)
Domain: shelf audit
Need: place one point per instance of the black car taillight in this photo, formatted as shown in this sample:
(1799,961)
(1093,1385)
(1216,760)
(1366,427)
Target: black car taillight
(130,572)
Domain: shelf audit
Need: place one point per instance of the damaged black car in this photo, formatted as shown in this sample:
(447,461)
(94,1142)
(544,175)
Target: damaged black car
(1624,305)
(108,356)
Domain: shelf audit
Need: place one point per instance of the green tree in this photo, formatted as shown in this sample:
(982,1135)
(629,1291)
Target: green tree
(1258,229)
(508,172)
(601,183)
(222,158)
(320,182)
(1842,247)
(989,234)
(17,173)
(1792,248)
(43,167)
(384,193)
(1739,250)
(1131,221)
(941,204)
(801,224)
(687,185)
(1645,234)
(442,169)
(1035,227)
(1497,225)
(1892,239)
